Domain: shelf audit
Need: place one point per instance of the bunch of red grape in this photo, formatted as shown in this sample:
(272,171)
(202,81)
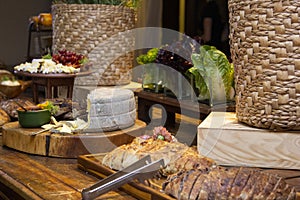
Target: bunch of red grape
(161,133)
(68,58)
(178,54)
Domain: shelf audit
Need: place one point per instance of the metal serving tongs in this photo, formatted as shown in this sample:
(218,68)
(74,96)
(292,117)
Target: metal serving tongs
(141,170)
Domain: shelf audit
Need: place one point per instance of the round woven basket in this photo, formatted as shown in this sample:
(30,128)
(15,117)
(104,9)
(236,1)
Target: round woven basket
(11,91)
(83,27)
(265,48)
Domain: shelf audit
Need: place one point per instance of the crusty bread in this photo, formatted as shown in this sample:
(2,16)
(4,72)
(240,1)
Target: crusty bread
(192,176)
(227,183)
(4,117)
(177,156)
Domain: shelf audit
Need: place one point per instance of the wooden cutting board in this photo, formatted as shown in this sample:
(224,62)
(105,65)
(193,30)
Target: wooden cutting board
(67,146)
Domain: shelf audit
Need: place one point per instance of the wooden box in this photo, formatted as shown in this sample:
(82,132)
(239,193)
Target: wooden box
(229,142)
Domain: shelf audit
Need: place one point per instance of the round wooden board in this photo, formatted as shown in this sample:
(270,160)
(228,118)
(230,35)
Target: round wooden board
(67,146)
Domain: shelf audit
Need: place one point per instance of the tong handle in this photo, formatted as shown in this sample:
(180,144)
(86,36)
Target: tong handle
(115,181)
(91,192)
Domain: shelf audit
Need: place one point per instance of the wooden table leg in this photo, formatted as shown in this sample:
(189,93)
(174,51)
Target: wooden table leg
(143,111)
(55,92)
(49,89)
(70,91)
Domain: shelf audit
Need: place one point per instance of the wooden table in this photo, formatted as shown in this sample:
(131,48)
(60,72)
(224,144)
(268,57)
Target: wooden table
(172,106)
(50,82)
(24,176)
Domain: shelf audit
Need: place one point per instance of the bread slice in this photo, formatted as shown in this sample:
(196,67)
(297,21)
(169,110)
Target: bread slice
(240,182)
(207,185)
(225,181)
(194,194)
(265,186)
(188,183)
(247,191)
(172,184)
(281,191)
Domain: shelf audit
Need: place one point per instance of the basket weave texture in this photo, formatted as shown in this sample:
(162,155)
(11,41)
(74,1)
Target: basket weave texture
(12,91)
(83,27)
(265,48)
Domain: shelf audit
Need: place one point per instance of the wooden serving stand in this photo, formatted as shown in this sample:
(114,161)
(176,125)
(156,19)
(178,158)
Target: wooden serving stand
(68,145)
(229,142)
(51,81)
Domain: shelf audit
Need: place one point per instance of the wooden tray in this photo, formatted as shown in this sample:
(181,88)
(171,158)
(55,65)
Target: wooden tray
(92,164)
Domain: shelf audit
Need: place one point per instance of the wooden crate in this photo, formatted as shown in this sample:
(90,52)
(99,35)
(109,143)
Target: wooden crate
(229,142)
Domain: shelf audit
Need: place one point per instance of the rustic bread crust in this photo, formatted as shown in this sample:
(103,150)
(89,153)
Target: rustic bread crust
(234,183)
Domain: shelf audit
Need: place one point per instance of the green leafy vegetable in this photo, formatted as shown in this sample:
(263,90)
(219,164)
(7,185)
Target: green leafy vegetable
(83,61)
(149,57)
(5,78)
(47,56)
(160,137)
(53,109)
(212,73)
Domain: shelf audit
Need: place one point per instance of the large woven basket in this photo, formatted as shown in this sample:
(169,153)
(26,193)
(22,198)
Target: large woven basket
(265,48)
(84,27)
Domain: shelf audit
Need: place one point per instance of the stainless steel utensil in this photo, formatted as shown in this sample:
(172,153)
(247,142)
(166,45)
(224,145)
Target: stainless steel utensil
(141,170)
(20,105)
(46,129)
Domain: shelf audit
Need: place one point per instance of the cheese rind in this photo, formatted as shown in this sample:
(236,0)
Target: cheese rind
(109,123)
(109,95)
(112,108)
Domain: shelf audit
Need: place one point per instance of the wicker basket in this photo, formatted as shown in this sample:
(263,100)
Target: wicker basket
(11,91)
(265,48)
(84,27)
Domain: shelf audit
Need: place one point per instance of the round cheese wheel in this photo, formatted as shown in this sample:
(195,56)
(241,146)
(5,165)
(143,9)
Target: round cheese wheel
(111,109)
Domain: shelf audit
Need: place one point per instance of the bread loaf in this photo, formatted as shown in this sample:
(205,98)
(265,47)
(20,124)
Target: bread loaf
(176,155)
(10,106)
(227,183)
(192,176)
(4,117)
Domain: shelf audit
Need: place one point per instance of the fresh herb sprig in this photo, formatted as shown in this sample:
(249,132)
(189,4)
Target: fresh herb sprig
(53,109)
